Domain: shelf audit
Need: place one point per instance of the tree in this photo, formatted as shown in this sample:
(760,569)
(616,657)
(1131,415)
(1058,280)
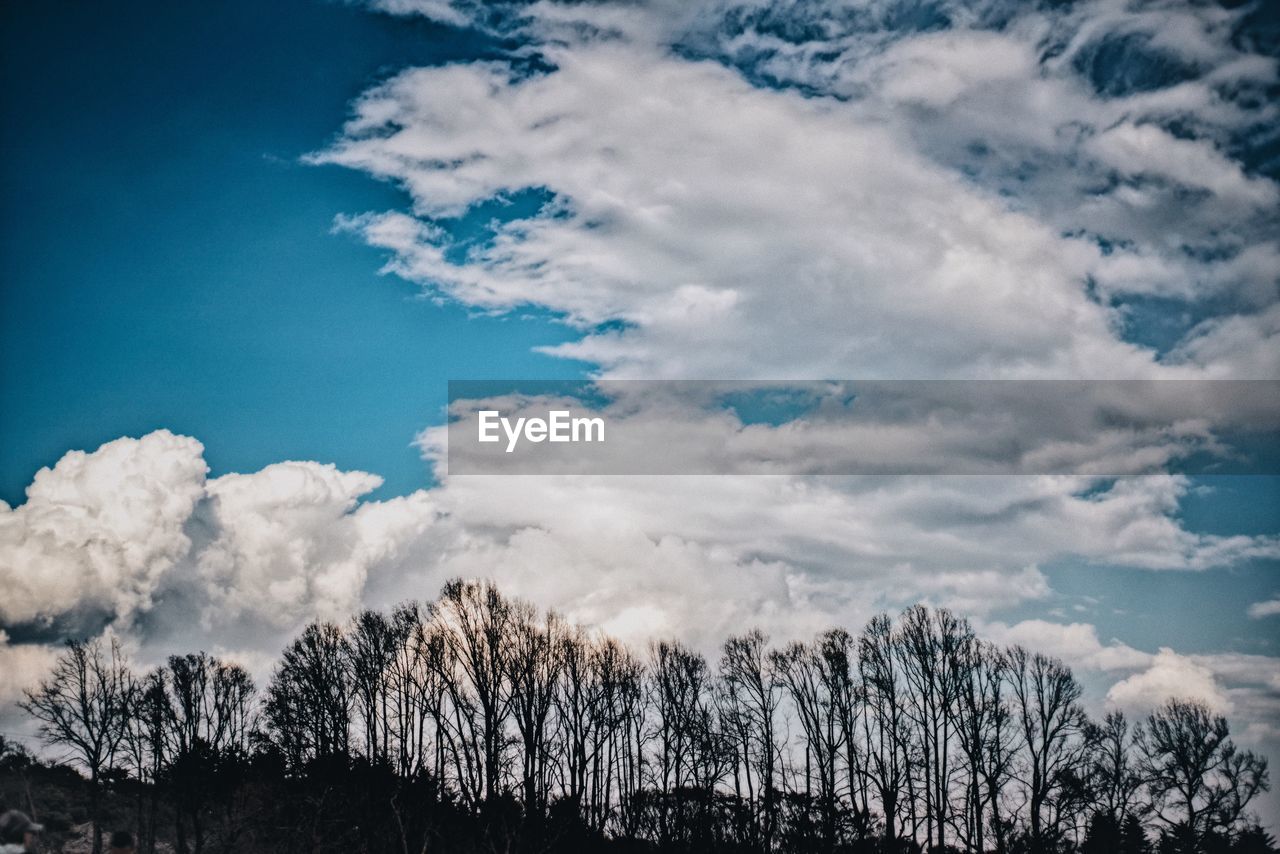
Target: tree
(476,723)
(207,709)
(988,742)
(885,725)
(1199,781)
(308,709)
(933,650)
(691,756)
(371,649)
(533,670)
(752,697)
(1052,723)
(84,706)
(475,621)
(146,746)
(1114,776)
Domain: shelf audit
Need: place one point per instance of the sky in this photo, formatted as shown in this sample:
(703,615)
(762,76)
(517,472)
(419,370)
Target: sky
(168,260)
(244,248)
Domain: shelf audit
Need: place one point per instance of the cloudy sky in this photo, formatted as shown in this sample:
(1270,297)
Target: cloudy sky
(244,250)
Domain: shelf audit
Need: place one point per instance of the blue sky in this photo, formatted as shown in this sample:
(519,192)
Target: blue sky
(993,189)
(169,262)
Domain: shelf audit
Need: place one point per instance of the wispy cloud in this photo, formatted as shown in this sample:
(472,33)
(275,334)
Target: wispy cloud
(856,189)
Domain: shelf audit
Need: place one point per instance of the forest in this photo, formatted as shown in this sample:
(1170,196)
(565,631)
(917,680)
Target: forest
(477,723)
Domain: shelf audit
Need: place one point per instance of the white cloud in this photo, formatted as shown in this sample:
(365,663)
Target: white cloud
(250,557)
(133,536)
(743,231)
(1147,150)
(1075,643)
(1170,676)
(1269,608)
(292,544)
(738,231)
(1245,687)
(98,531)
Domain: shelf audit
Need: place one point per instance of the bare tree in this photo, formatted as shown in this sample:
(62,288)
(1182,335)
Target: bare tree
(533,671)
(690,756)
(620,723)
(752,697)
(371,647)
(406,678)
(84,707)
(1052,725)
(1200,782)
(484,710)
(146,748)
(933,650)
(810,674)
(1115,776)
(987,742)
(308,708)
(475,620)
(207,710)
(885,725)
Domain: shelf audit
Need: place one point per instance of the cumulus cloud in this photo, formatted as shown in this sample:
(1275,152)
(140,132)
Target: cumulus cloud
(289,542)
(255,555)
(133,537)
(1170,676)
(1246,687)
(99,531)
(1075,643)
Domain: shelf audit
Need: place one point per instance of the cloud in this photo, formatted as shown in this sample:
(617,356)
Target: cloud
(850,189)
(1075,643)
(289,542)
(244,559)
(133,537)
(1269,608)
(99,531)
(1244,686)
(21,667)
(949,427)
(1170,676)
(733,231)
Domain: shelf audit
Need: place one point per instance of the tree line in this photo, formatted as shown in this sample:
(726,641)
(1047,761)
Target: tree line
(477,723)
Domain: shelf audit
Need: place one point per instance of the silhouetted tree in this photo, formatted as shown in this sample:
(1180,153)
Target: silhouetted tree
(475,621)
(476,723)
(84,707)
(308,709)
(751,700)
(1200,783)
(886,728)
(1114,775)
